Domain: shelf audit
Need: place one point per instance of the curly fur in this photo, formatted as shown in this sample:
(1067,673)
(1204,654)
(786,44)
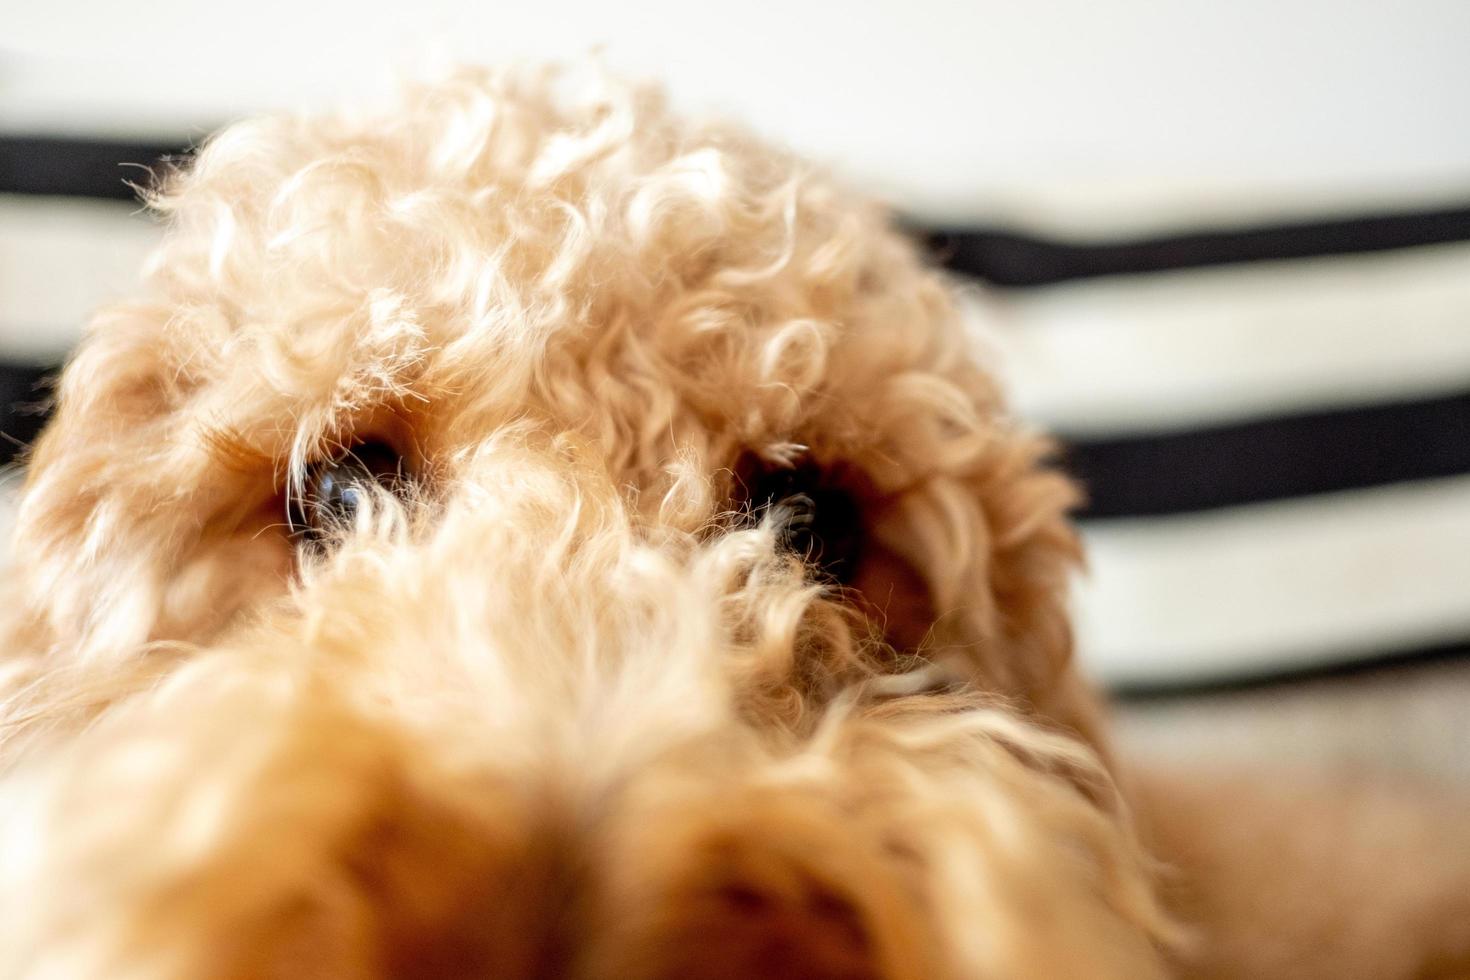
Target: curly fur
(567,709)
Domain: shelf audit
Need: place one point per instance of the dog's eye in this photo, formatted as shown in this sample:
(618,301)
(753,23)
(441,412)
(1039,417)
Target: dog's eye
(336,488)
(822,520)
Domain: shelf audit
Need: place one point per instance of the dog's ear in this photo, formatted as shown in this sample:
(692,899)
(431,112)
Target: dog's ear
(965,552)
(972,568)
(111,403)
(968,552)
(117,494)
(1033,553)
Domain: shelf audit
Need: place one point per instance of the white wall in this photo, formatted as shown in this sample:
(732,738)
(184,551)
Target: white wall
(955,108)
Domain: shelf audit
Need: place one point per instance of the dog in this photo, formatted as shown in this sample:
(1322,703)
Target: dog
(522,533)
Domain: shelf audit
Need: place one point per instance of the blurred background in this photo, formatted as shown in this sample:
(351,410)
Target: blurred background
(1222,249)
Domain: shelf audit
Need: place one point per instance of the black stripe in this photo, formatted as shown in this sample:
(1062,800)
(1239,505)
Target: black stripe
(1273,458)
(1143,692)
(24,404)
(1008,258)
(1146,475)
(71,167)
(97,168)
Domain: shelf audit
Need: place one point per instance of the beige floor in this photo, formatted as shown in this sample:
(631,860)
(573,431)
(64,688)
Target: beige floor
(1412,721)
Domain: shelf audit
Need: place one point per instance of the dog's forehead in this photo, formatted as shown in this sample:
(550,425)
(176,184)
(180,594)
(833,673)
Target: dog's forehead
(674,299)
(601,268)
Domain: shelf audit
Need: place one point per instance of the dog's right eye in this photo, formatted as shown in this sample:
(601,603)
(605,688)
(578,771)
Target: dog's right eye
(336,488)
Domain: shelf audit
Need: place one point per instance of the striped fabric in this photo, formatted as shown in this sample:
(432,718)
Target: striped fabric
(1273,424)
(1272,419)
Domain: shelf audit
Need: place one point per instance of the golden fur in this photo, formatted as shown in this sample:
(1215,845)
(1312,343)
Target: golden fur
(567,707)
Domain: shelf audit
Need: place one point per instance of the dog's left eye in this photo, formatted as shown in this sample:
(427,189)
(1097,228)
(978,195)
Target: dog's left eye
(336,488)
(822,523)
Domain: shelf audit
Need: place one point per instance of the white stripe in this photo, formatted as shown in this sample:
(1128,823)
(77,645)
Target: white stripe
(1285,584)
(11,480)
(1174,350)
(59,260)
(1082,209)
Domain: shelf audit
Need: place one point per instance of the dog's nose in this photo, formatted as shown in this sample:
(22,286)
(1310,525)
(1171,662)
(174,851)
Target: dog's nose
(760,902)
(780,928)
(762,888)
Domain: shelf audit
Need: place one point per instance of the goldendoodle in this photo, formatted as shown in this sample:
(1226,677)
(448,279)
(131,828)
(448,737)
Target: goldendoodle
(523,534)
